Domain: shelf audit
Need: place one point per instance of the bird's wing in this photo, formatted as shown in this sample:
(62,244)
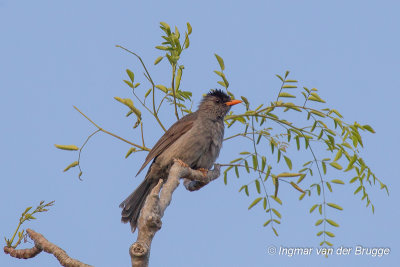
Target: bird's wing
(174,132)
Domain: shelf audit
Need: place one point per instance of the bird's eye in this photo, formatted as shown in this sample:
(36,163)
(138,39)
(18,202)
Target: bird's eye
(218,101)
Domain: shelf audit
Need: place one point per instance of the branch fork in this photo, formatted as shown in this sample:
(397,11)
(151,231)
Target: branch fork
(158,200)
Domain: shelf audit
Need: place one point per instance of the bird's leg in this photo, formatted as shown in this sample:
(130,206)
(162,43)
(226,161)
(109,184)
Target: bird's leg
(182,163)
(203,171)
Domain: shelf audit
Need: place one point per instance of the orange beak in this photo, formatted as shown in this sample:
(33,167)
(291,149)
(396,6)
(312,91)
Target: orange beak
(233,102)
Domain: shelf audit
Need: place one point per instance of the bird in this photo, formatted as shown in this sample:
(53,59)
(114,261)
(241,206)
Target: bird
(196,139)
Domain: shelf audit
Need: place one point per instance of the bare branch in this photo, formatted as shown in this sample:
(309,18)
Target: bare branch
(156,203)
(42,244)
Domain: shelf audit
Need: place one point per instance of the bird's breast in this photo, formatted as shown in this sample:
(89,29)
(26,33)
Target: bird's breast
(199,147)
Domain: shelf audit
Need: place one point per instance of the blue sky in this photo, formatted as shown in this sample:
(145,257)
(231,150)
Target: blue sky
(55,54)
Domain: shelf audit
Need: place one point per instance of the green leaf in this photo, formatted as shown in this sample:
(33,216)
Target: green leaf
(318,222)
(301,178)
(368,128)
(258,186)
(158,60)
(147,93)
(129,84)
(246,166)
(67,147)
(287,174)
(236,160)
(220,61)
(353,179)
(329,234)
(73,164)
(337,181)
(220,74)
(26,210)
(178,79)
(267,222)
(338,155)
(130,151)
(255,202)
(332,223)
(222,84)
(226,178)
(335,206)
(289,86)
(297,142)
(336,165)
(329,186)
(318,113)
(296,187)
(162,88)
(284,94)
(280,78)
(277,213)
(317,99)
(328,243)
(277,199)
(243,187)
(351,162)
(160,47)
(323,166)
(237,171)
(189,27)
(255,162)
(275,232)
(131,75)
(288,162)
(225,80)
(129,103)
(313,208)
(187,41)
(165,25)
(358,189)
(263,163)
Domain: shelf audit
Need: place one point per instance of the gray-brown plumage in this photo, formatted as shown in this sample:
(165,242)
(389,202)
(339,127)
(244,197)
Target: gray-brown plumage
(196,139)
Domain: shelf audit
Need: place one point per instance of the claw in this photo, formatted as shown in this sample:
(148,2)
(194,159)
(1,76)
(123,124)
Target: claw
(203,171)
(182,163)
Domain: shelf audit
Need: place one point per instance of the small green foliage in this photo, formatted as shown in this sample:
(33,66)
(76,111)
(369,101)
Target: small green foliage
(26,216)
(73,164)
(67,147)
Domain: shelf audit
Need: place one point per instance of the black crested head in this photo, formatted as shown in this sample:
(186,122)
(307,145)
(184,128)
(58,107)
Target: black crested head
(213,105)
(218,93)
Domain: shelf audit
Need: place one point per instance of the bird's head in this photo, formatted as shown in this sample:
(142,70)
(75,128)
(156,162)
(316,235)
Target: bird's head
(216,104)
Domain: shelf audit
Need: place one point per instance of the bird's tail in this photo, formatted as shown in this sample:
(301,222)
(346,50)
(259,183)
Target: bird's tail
(133,204)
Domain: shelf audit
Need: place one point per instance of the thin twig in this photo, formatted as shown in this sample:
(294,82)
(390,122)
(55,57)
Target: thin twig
(151,81)
(112,134)
(80,151)
(173,90)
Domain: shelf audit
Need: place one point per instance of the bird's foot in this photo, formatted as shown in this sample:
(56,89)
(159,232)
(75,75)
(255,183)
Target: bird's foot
(182,163)
(203,171)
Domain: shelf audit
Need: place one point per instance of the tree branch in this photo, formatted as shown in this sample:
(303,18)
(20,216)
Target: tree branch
(42,244)
(156,203)
(112,134)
